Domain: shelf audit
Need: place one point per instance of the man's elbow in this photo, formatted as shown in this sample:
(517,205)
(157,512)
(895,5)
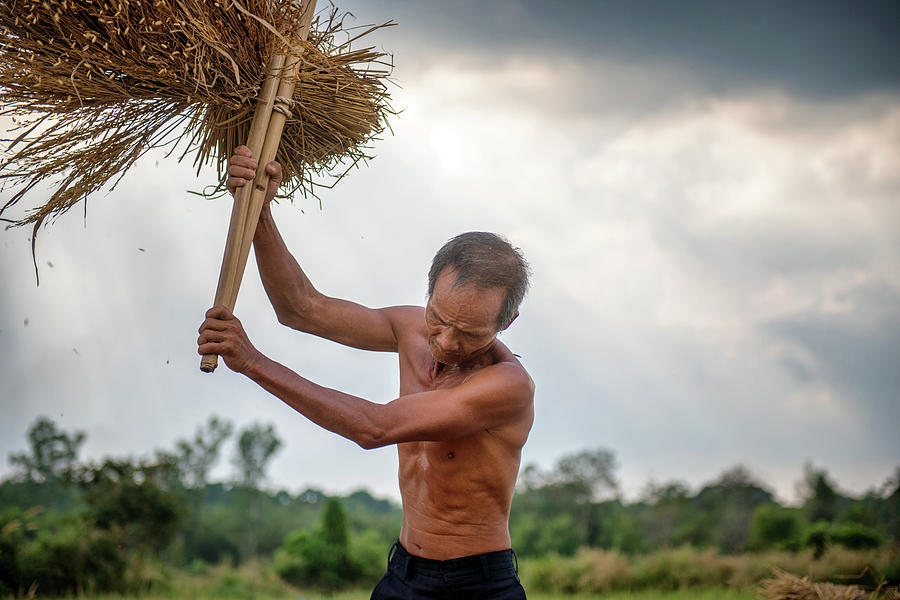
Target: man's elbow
(300,311)
(372,438)
(294,315)
(289,318)
(367,443)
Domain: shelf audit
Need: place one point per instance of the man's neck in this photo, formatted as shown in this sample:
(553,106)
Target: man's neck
(483,358)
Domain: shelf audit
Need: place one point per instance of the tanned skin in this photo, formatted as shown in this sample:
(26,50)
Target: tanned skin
(465,405)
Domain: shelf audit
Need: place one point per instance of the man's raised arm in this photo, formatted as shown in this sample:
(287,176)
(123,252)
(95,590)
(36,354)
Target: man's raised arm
(296,301)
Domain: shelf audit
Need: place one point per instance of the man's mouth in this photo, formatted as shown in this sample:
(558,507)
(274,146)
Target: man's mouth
(443,356)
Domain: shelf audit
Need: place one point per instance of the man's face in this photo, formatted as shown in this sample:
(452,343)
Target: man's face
(462,321)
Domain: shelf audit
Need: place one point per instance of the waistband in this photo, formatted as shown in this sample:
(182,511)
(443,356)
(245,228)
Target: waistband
(489,564)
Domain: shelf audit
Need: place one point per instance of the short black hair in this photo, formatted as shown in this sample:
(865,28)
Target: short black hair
(486,260)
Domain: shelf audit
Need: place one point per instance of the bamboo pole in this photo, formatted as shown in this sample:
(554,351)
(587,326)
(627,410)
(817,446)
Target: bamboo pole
(258,127)
(242,237)
(269,150)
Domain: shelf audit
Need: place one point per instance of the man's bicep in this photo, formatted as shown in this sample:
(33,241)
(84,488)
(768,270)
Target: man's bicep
(359,326)
(485,402)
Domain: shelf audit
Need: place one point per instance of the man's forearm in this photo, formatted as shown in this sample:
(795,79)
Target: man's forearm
(287,286)
(348,416)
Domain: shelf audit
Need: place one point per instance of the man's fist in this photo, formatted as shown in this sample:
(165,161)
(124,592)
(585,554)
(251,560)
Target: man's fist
(242,168)
(223,334)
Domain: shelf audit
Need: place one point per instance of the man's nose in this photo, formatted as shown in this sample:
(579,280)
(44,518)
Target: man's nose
(447,340)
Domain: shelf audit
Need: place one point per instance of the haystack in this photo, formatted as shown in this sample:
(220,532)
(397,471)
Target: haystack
(92,85)
(784,586)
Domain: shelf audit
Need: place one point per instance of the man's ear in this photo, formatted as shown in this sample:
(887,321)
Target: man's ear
(510,321)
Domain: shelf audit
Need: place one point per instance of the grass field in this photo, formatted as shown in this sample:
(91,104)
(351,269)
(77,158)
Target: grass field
(709,594)
(589,575)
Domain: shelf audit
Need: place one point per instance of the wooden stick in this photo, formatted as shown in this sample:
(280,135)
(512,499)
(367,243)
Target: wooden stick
(270,149)
(258,127)
(246,227)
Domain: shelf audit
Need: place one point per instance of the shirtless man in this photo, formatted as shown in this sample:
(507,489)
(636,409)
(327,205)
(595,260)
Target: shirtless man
(464,410)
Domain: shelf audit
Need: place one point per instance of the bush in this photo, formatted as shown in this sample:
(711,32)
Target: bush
(599,572)
(856,536)
(307,559)
(602,572)
(322,558)
(558,535)
(818,538)
(681,568)
(850,535)
(61,558)
(552,573)
(773,527)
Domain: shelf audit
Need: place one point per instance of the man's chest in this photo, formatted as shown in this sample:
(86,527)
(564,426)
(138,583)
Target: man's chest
(417,372)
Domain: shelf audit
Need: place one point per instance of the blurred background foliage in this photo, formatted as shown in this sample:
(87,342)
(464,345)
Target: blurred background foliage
(133,524)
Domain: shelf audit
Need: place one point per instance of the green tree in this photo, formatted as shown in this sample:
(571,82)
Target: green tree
(662,509)
(255,447)
(856,536)
(863,512)
(197,456)
(320,558)
(53,453)
(619,529)
(821,499)
(334,525)
(193,459)
(818,537)
(59,554)
(571,487)
(589,473)
(132,500)
(891,508)
(727,506)
(775,527)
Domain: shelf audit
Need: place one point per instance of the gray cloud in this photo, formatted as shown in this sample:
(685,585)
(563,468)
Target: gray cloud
(822,48)
(767,248)
(699,257)
(857,347)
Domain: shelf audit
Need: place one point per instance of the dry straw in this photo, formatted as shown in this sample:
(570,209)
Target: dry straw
(784,586)
(91,85)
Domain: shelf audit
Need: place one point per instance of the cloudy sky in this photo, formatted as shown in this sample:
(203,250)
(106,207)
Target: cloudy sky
(708,192)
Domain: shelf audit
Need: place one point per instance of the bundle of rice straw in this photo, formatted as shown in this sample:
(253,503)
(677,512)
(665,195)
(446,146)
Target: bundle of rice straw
(97,83)
(784,586)
(94,84)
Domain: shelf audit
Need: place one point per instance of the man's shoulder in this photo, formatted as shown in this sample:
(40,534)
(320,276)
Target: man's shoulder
(406,319)
(407,310)
(508,375)
(510,365)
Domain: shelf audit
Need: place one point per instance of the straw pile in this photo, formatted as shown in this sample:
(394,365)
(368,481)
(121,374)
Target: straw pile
(784,586)
(91,85)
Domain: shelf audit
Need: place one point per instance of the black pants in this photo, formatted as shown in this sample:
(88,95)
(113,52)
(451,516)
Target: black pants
(491,576)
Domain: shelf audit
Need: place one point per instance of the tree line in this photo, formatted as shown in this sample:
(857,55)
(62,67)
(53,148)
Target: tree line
(578,504)
(72,526)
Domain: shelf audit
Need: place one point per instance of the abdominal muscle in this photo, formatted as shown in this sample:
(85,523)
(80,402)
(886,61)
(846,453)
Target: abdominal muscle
(456,496)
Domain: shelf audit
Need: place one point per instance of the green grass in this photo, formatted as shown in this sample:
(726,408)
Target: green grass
(710,594)
(696,594)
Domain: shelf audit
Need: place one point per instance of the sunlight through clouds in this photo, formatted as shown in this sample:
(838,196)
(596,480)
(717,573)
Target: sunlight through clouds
(716,270)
